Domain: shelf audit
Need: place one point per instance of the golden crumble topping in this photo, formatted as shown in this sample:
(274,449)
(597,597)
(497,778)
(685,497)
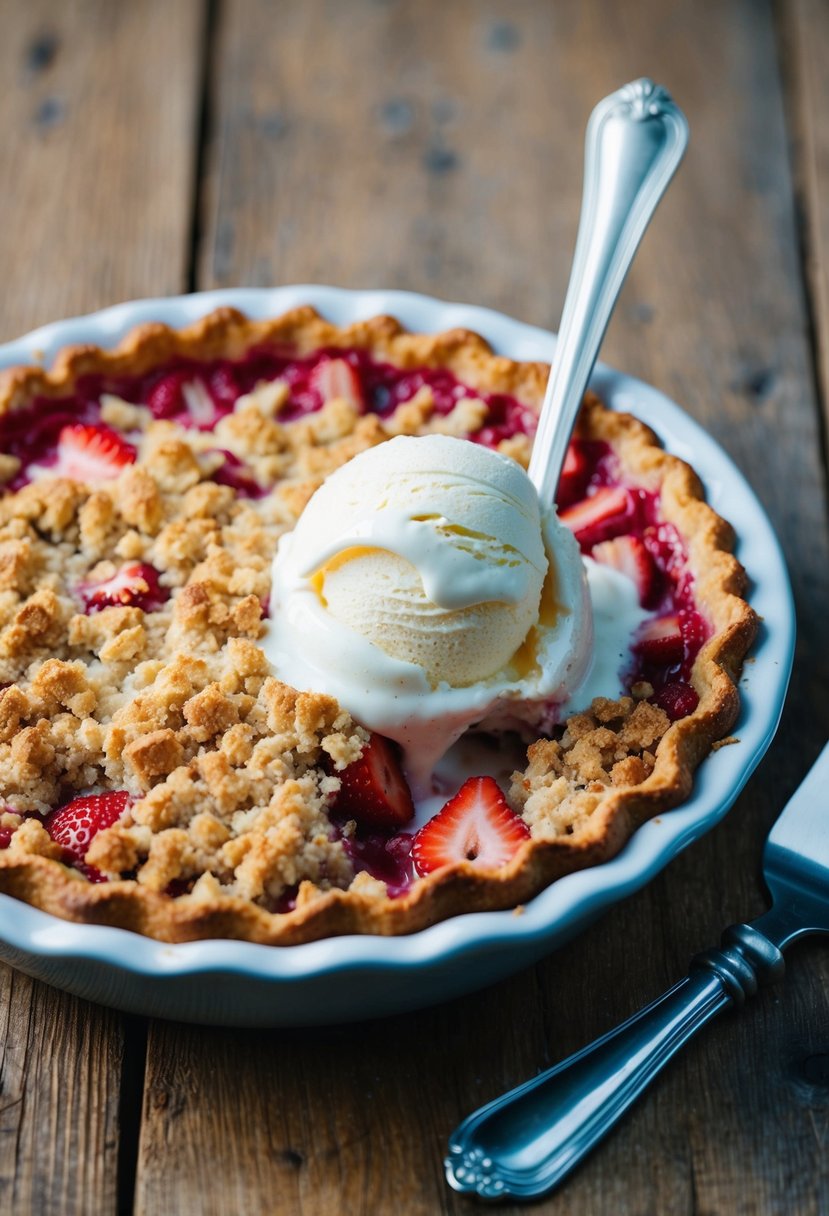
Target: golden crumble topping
(566,780)
(168,696)
(231,771)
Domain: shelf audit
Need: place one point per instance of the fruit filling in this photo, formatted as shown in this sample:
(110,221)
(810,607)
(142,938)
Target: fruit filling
(103,429)
(74,825)
(134,585)
(614,523)
(67,436)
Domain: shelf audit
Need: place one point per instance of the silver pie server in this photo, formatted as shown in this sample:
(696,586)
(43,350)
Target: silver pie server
(525,1143)
(635,140)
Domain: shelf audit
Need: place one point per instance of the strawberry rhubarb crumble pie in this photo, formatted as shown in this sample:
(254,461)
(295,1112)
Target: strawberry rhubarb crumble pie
(219,711)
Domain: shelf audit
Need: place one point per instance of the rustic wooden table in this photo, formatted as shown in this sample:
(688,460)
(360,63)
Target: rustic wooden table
(156,146)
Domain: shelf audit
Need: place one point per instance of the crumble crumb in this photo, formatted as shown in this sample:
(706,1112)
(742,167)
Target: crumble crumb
(567,779)
(231,773)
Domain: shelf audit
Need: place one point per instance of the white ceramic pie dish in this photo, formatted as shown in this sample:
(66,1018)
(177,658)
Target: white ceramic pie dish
(349,978)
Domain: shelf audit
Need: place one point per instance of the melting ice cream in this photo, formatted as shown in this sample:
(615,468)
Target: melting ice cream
(425,589)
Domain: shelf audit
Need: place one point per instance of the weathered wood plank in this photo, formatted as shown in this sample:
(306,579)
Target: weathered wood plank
(98,112)
(60,1061)
(804,26)
(410,166)
(438,147)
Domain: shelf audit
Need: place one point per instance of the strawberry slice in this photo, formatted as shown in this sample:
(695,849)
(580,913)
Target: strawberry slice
(166,399)
(184,396)
(373,789)
(677,698)
(574,476)
(660,640)
(475,826)
(234,473)
(604,514)
(91,453)
(201,408)
(629,555)
(135,585)
(337,378)
(223,385)
(74,825)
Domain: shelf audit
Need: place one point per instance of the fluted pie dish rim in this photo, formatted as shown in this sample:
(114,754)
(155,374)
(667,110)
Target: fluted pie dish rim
(549,914)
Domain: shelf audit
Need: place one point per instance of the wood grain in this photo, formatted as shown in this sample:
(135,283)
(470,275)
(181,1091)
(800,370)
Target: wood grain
(99,113)
(60,1062)
(97,160)
(438,147)
(414,172)
(804,29)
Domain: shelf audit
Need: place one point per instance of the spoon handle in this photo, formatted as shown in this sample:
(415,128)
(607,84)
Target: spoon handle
(525,1143)
(635,140)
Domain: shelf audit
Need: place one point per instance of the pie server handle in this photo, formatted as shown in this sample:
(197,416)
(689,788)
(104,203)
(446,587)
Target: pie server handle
(523,1144)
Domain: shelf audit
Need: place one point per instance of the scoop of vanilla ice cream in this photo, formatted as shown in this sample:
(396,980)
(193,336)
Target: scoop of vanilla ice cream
(381,596)
(426,590)
(431,549)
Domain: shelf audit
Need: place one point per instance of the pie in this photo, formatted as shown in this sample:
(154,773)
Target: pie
(155,775)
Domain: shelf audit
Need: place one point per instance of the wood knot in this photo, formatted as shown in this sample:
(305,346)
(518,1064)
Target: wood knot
(290,1156)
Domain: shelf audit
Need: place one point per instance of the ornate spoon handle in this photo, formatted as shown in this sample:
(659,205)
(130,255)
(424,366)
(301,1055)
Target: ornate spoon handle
(524,1143)
(635,140)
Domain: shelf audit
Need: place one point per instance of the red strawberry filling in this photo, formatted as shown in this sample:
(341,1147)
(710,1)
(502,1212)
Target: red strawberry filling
(165,396)
(135,585)
(677,699)
(609,511)
(620,525)
(616,523)
(199,394)
(375,794)
(237,475)
(476,825)
(575,474)
(387,858)
(659,641)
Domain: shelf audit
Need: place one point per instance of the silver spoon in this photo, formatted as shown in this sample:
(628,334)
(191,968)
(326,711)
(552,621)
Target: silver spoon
(524,1144)
(635,140)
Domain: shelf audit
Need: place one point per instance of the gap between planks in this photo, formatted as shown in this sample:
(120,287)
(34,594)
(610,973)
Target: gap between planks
(204,133)
(130,1108)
